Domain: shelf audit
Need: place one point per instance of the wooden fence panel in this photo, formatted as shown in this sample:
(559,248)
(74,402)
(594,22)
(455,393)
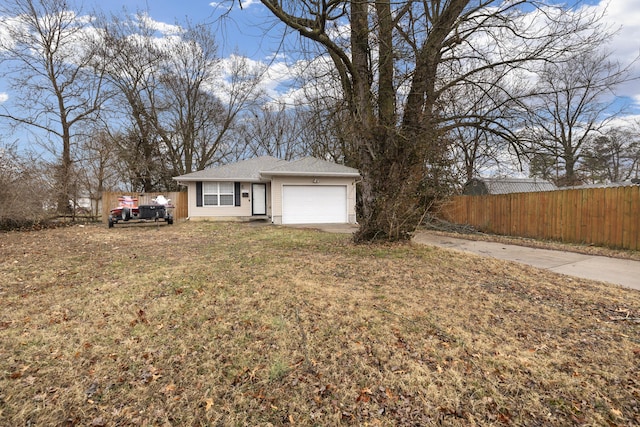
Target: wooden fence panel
(609,208)
(586,216)
(634,229)
(601,216)
(599,232)
(178,200)
(626,218)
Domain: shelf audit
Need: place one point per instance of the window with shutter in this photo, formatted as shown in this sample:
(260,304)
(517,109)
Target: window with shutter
(218,193)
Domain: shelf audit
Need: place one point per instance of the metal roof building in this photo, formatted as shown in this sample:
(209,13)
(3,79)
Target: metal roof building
(482,186)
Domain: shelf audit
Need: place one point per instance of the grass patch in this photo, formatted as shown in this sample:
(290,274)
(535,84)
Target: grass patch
(233,324)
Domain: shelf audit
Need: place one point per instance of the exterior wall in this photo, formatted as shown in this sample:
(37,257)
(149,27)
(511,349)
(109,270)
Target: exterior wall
(224,213)
(277,182)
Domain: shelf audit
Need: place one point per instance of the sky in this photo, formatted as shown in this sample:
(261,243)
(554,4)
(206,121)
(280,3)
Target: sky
(253,32)
(243,31)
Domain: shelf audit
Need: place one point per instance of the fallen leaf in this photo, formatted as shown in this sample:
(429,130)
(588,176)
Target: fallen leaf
(208,403)
(364,396)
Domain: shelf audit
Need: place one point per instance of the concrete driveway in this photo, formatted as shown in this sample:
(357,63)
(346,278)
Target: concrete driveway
(329,228)
(610,270)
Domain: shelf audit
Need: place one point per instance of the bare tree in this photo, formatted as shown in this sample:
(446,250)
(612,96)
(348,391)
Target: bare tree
(573,103)
(203,101)
(54,75)
(22,174)
(611,157)
(293,131)
(326,121)
(132,61)
(324,133)
(485,114)
(182,109)
(395,63)
(274,130)
(98,166)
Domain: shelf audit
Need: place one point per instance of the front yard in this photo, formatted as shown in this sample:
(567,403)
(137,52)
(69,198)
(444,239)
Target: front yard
(234,324)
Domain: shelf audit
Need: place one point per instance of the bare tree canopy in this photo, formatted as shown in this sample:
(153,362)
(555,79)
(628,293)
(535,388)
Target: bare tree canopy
(45,56)
(22,174)
(396,63)
(572,104)
(181,111)
(612,156)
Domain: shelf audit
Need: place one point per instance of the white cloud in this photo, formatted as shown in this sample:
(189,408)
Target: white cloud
(7,25)
(624,122)
(619,17)
(244,4)
(3,97)
(161,27)
(624,17)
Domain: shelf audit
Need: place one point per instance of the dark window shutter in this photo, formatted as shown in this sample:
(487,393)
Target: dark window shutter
(236,193)
(198,193)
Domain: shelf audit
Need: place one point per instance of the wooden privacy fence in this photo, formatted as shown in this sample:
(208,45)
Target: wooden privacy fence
(178,199)
(601,216)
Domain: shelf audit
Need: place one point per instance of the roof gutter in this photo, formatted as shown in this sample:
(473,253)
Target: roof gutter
(329,174)
(213,179)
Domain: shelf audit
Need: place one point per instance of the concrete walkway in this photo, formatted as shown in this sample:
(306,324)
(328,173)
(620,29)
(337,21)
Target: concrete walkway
(610,270)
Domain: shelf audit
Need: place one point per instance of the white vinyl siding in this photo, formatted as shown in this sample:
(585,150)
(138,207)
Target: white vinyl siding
(217,193)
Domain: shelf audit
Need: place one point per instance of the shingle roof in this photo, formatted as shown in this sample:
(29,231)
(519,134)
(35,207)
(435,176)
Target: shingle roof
(479,186)
(259,167)
(245,170)
(311,166)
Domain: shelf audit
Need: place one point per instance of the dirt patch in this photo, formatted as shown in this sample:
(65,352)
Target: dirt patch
(229,324)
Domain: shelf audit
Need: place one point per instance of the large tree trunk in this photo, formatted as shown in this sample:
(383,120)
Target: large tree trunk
(390,188)
(395,160)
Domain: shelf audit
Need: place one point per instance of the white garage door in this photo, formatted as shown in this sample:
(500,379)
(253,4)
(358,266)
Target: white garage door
(314,204)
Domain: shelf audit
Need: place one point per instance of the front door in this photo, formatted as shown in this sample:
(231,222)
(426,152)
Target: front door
(258,199)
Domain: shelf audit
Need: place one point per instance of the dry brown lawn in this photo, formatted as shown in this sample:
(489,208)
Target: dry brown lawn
(232,324)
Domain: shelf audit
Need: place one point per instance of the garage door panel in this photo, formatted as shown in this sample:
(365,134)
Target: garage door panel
(307,204)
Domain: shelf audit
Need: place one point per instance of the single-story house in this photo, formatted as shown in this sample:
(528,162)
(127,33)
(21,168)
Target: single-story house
(482,186)
(305,191)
